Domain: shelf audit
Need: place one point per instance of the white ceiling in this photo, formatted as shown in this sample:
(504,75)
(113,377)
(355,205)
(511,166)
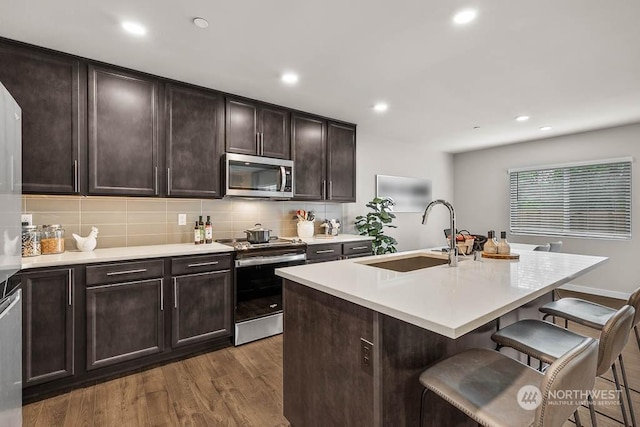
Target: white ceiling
(570,64)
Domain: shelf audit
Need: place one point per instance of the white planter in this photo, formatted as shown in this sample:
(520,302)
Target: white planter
(305,229)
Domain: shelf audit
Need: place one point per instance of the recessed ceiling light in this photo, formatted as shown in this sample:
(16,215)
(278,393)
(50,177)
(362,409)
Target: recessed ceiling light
(200,22)
(545,128)
(380,107)
(290,78)
(522,118)
(465,16)
(134,28)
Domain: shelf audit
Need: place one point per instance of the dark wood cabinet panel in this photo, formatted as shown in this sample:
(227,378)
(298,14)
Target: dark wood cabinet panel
(341,162)
(51,92)
(124,322)
(275,131)
(241,135)
(47,329)
(123,133)
(201,307)
(194,129)
(308,147)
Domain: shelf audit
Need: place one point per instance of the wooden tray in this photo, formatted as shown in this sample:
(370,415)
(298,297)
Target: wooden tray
(501,256)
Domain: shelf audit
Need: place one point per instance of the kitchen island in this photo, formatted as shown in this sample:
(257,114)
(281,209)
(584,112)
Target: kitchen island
(357,336)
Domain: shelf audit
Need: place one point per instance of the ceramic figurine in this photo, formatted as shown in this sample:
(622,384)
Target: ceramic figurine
(87,244)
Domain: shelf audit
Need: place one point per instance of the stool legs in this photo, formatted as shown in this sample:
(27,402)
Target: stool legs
(576,417)
(635,328)
(626,389)
(592,411)
(424,393)
(619,390)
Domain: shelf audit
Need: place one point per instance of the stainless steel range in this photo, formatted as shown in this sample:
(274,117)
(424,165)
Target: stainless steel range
(258,299)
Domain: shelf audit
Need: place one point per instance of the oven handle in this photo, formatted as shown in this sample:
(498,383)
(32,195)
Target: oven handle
(261,260)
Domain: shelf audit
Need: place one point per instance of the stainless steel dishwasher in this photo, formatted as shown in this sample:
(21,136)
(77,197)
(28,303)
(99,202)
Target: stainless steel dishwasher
(11,360)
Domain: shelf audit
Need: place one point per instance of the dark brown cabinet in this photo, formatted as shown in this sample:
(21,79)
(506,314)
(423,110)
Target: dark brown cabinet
(257,129)
(335,251)
(123,133)
(51,91)
(324,155)
(47,325)
(194,130)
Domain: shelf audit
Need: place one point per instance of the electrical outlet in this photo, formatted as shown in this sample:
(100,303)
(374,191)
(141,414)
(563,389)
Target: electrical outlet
(182,219)
(366,356)
(28,218)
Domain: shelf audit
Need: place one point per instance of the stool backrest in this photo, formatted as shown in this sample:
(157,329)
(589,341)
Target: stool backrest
(634,301)
(574,372)
(614,337)
(555,246)
(542,248)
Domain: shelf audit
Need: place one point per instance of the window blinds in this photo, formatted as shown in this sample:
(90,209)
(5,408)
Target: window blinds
(591,200)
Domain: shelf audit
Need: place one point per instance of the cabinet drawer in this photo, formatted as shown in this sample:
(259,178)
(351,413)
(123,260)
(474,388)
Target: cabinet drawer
(124,272)
(324,251)
(200,264)
(355,248)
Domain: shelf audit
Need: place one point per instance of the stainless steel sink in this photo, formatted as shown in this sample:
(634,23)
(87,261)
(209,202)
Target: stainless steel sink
(405,263)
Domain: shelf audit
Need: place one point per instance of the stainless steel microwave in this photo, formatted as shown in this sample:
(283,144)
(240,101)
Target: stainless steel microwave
(254,176)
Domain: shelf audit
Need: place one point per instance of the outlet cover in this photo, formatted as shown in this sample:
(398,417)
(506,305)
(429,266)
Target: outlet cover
(27,218)
(182,219)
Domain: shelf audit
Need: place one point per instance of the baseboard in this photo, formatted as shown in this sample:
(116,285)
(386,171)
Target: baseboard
(596,291)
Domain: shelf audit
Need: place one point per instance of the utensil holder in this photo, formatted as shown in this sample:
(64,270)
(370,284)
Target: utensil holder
(305,229)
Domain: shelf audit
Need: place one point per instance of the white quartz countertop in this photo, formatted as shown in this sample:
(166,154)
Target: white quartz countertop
(340,238)
(122,254)
(448,301)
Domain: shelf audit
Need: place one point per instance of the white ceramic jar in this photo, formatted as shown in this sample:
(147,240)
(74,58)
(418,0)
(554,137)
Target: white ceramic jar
(305,229)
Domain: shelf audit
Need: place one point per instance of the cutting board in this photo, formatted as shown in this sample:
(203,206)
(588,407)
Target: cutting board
(501,256)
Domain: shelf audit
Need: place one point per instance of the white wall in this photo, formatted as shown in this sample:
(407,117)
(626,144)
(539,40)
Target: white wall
(378,156)
(482,197)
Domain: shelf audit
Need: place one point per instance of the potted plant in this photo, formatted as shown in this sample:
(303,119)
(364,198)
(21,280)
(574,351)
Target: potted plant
(373,225)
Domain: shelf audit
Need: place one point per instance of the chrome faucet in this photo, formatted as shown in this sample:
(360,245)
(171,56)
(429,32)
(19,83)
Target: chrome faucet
(453,247)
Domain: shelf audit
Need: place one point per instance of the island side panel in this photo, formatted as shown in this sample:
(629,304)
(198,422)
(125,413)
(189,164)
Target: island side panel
(323,381)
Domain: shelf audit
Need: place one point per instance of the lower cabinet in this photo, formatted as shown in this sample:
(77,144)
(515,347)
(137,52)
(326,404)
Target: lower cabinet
(201,307)
(336,251)
(47,326)
(124,321)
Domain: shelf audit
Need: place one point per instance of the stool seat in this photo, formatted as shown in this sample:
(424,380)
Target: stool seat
(542,340)
(483,384)
(579,311)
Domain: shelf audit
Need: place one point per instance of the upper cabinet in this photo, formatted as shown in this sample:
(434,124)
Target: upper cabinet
(324,154)
(123,133)
(194,135)
(257,129)
(51,90)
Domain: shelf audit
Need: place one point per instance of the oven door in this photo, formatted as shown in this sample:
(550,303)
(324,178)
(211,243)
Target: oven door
(253,176)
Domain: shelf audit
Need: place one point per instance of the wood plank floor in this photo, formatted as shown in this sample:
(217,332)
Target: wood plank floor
(238,386)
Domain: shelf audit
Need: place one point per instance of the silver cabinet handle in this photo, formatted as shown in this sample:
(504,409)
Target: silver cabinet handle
(161,294)
(325,251)
(118,273)
(175,292)
(202,264)
(70,287)
(75,176)
(324,189)
(258,143)
(168,181)
(155,179)
(330,190)
(262,144)
(359,247)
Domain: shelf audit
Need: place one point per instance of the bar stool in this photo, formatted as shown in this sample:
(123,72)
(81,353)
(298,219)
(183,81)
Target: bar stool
(485,385)
(542,248)
(555,246)
(548,342)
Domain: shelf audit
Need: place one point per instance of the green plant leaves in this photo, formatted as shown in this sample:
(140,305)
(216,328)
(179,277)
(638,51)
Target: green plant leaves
(374,222)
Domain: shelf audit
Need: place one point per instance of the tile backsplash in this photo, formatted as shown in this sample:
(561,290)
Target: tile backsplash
(128,221)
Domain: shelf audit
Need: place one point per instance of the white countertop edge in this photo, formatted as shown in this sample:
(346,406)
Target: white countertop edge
(449,332)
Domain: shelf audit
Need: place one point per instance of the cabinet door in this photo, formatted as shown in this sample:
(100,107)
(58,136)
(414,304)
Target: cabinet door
(194,130)
(50,90)
(341,162)
(308,151)
(241,135)
(47,326)
(275,133)
(124,322)
(201,307)
(123,133)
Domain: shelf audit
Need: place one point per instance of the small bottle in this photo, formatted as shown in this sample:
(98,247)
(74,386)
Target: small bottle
(201,227)
(197,234)
(490,247)
(208,231)
(503,246)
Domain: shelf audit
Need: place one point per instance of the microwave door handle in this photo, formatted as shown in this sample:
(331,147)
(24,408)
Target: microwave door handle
(283,178)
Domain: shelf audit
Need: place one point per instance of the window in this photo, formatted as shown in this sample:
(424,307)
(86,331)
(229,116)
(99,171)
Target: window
(590,200)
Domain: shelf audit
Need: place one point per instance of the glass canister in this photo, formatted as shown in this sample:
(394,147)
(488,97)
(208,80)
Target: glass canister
(31,241)
(52,239)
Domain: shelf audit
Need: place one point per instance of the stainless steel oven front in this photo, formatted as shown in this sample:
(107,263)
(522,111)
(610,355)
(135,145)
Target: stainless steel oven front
(258,302)
(254,176)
